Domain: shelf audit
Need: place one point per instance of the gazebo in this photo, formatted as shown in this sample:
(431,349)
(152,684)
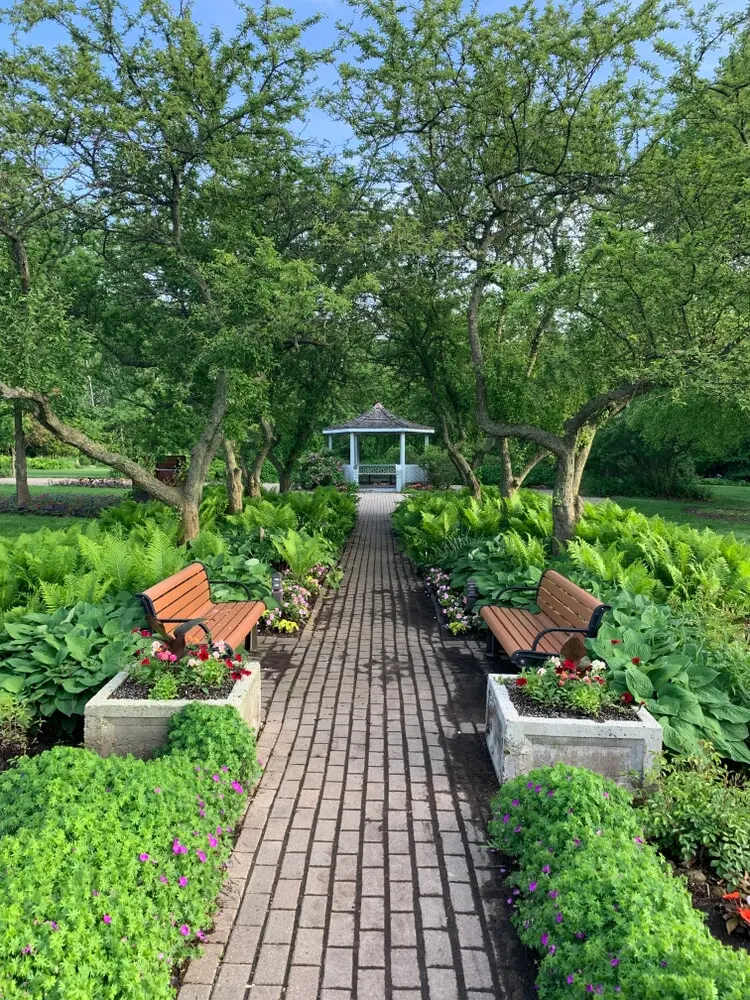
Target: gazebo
(378,420)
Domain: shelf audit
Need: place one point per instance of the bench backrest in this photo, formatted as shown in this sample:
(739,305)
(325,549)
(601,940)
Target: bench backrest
(568,604)
(183,595)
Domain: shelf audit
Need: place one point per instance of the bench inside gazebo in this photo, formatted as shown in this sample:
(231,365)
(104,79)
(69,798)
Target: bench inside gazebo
(380,475)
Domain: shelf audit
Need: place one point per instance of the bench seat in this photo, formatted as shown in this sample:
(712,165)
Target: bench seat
(184,599)
(565,610)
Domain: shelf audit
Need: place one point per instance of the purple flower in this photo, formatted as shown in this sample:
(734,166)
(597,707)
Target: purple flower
(178,848)
(570,979)
(537,789)
(201,857)
(552,949)
(663,964)
(550,793)
(516,892)
(506,818)
(143,857)
(515,802)
(509,902)
(544,939)
(529,784)
(580,935)
(545,869)
(53,925)
(517,829)
(164,879)
(182,881)
(107,919)
(27,949)
(558,917)
(553,894)
(237,787)
(615,961)
(184,930)
(576,841)
(532,886)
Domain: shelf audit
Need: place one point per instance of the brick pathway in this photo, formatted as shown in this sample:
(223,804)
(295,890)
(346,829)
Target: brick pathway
(360,873)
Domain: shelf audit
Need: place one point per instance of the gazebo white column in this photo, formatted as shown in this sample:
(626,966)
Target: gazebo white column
(402,456)
(352,450)
(426,441)
(330,442)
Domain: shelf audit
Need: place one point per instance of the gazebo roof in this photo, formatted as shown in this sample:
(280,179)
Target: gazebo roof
(378,419)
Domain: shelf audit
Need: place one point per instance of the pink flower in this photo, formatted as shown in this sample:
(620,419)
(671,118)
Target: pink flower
(182,881)
(237,787)
(107,919)
(201,857)
(164,879)
(143,857)
(157,791)
(178,848)
(200,935)
(53,925)
(184,930)
(213,842)
(27,949)
(215,777)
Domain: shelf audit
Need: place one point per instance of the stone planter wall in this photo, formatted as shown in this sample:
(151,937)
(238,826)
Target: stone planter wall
(517,744)
(139,726)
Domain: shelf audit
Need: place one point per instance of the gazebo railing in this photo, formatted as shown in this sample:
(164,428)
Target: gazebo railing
(377,469)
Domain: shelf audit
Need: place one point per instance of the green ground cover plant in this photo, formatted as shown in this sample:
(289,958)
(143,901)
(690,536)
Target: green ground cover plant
(596,902)
(675,635)
(110,869)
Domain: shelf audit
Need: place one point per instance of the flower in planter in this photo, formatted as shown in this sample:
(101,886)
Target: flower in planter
(205,666)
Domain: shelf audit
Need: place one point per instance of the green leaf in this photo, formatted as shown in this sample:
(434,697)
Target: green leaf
(12,683)
(79,646)
(638,683)
(701,677)
(731,713)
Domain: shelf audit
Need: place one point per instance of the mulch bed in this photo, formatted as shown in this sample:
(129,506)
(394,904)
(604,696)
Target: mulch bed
(526,705)
(706,891)
(57,505)
(49,736)
(132,689)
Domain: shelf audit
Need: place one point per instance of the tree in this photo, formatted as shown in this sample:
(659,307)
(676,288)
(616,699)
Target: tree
(163,136)
(522,144)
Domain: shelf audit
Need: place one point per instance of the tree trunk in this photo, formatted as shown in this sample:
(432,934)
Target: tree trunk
(255,472)
(285,478)
(23,497)
(461,463)
(233,478)
(189,521)
(567,505)
(508,485)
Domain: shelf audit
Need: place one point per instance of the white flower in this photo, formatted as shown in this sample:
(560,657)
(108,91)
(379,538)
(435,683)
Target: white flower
(541,671)
(598,665)
(157,646)
(556,661)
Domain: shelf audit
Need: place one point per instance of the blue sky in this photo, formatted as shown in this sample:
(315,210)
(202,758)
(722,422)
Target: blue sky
(224,14)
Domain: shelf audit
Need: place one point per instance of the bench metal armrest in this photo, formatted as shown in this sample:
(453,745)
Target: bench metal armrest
(234,583)
(546,631)
(187,625)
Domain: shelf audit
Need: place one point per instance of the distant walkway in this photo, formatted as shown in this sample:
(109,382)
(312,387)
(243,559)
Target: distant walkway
(360,871)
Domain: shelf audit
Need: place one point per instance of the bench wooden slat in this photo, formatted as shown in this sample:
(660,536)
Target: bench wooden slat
(563,605)
(187,595)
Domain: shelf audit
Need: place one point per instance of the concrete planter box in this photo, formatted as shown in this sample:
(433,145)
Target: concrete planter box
(139,726)
(519,743)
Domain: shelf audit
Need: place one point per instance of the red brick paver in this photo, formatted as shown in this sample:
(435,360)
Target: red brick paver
(360,873)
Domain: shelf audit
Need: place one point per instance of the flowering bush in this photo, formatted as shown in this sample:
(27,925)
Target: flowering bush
(597,903)
(737,906)
(297,600)
(458,618)
(581,686)
(206,666)
(111,868)
(319,469)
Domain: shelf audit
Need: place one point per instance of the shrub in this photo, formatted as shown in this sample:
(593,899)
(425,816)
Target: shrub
(109,869)
(695,812)
(441,472)
(318,469)
(597,903)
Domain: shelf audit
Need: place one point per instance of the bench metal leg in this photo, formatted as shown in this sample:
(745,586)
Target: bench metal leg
(252,640)
(491,644)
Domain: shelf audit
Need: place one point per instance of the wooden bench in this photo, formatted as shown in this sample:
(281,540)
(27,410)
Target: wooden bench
(184,600)
(565,610)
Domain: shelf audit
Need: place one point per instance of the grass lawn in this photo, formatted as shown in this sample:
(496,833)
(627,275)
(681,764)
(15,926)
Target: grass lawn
(83,472)
(727,511)
(13,525)
(7,489)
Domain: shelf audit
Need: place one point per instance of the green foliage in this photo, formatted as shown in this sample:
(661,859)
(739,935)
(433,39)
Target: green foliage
(15,721)
(57,661)
(583,687)
(441,472)
(300,551)
(696,813)
(588,886)
(318,469)
(93,851)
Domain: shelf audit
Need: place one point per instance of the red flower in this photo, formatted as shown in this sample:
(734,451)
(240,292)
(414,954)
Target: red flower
(246,673)
(145,633)
(731,895)
(236,675)
(238,656)
(744,913)
(145,662)
(615,642)
(569,665)
(627,697)
(636,660)
(521,682)
(203,652)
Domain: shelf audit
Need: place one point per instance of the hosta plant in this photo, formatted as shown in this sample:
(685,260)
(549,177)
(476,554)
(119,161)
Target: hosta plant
(56,662)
